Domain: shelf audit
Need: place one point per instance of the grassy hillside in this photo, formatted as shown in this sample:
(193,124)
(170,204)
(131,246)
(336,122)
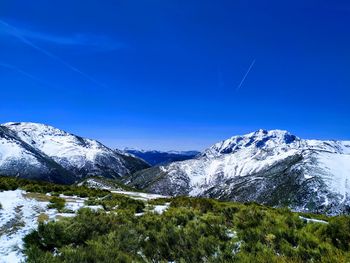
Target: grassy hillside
(190,230)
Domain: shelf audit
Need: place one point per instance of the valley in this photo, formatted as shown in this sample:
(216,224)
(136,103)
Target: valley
(65,198)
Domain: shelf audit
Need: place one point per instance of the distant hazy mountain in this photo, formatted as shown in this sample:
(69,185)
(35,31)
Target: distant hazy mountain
(38,151)
(269,167)
(159,157)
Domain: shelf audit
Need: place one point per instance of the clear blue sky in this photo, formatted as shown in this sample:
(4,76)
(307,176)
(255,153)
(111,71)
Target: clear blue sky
(166,74)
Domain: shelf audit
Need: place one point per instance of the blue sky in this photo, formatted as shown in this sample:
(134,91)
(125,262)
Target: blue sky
(166,74)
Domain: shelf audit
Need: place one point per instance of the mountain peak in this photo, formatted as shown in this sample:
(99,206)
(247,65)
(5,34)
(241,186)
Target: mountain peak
(34,127)
(28,124)
(263,132)
(42,149)
(280,136)
(271,167)
(258,139)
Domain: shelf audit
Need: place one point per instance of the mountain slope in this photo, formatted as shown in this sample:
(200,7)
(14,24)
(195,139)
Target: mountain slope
(269,167)
(36,150)
(17,158)
(162,158)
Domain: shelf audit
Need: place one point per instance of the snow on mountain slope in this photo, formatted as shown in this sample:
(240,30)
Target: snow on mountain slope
(22,143)
(270,167)
(256,140)
(58,144)
(338,168)
(68,150)
(18,158)
(11,148)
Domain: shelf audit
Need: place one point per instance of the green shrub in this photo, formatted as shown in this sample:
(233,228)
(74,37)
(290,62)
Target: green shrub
(191,230)
(12,183)
(57,203)
(117,201)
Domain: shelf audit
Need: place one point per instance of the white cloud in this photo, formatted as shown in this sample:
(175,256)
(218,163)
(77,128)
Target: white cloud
(94,42)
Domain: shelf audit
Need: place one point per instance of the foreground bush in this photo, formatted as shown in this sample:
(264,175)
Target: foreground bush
(12,183)
(57,203)
(191,230)
(118,202)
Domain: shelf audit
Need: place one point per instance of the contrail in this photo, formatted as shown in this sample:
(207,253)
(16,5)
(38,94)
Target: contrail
(22,72)
(245,76)
(16,33)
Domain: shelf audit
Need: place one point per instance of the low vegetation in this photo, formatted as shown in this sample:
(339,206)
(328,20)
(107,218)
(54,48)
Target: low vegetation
(118,202)
(57,203)
(11,183)
(107,182)
(43,218)
(190,230)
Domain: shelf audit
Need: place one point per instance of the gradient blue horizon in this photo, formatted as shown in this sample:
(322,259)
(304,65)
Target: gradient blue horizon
(176,75)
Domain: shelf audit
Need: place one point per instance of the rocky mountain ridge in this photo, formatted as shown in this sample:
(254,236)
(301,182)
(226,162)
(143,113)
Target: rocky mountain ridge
(270,167)
(39,151)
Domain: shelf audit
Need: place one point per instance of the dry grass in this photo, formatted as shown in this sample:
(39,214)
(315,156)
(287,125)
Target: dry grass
(38,196)
(43,218)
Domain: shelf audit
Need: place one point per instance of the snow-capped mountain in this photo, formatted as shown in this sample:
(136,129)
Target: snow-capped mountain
(154,157)
(269,167)
(33,150)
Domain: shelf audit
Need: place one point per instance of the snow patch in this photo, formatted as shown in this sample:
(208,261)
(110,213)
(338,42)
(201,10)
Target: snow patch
(338,167)
(19,216)
(312,220)
(138,195)
(160,209)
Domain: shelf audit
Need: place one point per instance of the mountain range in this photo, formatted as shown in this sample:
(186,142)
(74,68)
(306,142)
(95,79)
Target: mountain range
(154,157)
(273,167)
(38,151)
(269,167)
